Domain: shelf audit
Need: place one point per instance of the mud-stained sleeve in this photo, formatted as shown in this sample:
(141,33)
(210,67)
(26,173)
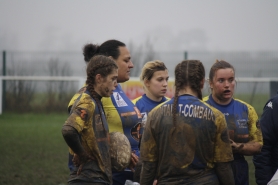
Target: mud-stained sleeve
(148,148)
(74,98)
(253,126)
(223,151)
(82,114)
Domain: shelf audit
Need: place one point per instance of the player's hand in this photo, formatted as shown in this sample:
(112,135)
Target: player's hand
(133,161)
(155,182)
(80,160)
(236,147)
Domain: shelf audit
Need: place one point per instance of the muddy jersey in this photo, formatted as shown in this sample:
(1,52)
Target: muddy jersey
(145,105)
(186,152)
(241,118)
(121,114)
(90,122)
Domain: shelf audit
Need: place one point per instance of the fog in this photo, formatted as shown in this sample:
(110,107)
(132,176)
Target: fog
(212,25)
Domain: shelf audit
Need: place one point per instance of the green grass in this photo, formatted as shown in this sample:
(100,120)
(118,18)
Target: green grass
(252,179)
(32,149)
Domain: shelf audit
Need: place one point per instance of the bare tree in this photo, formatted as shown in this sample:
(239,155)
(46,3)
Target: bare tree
(58,93)
(136,58)
(140,55)
(19,93)
(149,52)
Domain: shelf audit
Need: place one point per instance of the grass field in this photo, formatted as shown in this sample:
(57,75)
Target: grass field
(33,151)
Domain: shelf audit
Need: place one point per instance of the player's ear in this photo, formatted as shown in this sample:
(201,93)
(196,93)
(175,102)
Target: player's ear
(146,82)
(210,84)
(98,78)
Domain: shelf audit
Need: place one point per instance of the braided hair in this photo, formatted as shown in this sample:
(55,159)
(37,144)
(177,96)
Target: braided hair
(108,48)
(102,65)
(188,73)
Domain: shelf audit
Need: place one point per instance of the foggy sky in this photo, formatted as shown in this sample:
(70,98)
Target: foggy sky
(66,25)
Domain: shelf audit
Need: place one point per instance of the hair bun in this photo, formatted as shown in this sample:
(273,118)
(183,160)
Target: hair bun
(89,50)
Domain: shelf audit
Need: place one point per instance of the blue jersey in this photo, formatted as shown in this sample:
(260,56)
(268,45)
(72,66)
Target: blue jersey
(145,105)
(123,116)
(242,121)
(187,152)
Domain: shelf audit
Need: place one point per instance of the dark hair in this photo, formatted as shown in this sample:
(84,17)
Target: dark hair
(188,73)
(102,65)
(99,64)
(219,64)
(108,48)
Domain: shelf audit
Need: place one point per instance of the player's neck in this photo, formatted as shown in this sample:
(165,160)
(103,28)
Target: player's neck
(152,97)
(187,90)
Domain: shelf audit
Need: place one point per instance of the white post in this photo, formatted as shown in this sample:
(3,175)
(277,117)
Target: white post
(81,82)
(1,95)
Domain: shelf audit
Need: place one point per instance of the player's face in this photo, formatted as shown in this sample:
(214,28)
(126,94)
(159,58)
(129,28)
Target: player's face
(157,85)
(223,85)
(124,63)
(109,84)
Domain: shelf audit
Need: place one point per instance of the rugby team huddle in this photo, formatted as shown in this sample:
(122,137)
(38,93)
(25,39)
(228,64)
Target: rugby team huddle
(185,139)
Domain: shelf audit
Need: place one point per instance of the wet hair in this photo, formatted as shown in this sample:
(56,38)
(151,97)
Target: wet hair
(188,73)
(99,64)
(219,64)
(150,68)
(108,48)
(102,65)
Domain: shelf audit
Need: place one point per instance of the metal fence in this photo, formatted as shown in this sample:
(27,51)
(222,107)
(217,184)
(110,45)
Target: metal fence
(256,73)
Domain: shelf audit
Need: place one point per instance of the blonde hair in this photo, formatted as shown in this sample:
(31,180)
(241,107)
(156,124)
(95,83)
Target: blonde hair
(150,68)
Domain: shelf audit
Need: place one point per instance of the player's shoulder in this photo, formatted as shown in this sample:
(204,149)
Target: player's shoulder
(76,96)
(106,101)
(272,103)
(206,98)
(241,102)
(161,105)
(85,98)
(215,111)
(134,101)
(167,98)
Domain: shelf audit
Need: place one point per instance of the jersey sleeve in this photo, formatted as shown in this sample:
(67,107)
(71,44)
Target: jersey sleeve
(253,125)
(82,113)
(74,98)
(223,151)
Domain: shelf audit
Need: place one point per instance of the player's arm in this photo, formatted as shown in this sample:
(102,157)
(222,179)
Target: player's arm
(224,173)
(223,153)
(148,172)
(148,153)
(255,144)
(250,148)
(76,122)
(72,138)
